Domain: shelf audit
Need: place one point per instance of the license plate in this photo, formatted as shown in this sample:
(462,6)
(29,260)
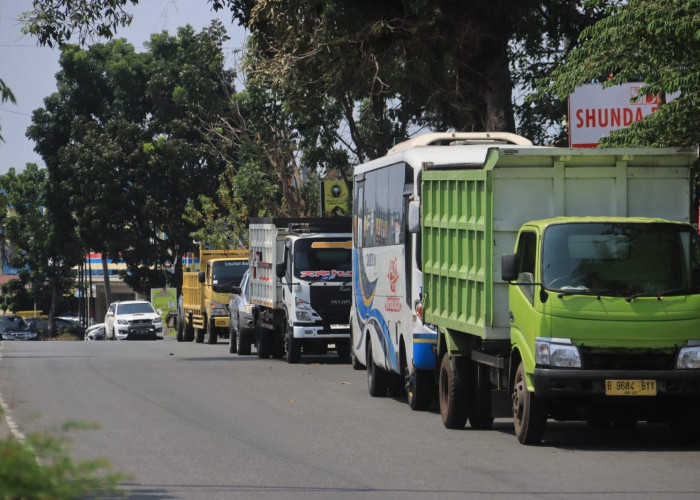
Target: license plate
(618,387)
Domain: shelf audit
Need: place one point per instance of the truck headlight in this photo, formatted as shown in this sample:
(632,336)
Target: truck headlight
(689,356)
(217,309)
(557,353)
(303,316)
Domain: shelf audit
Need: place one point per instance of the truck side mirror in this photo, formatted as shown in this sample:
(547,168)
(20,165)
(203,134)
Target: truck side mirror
(236,290)
(414,216)
(281,270)
(200,276)
(509,267)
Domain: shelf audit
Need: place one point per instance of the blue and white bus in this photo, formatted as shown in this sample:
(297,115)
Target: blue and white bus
(387,331)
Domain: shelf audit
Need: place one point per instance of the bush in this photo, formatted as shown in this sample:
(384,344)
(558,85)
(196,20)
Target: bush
(41,469)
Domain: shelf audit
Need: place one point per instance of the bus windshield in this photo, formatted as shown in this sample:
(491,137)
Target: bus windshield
(325,260)
(621,259)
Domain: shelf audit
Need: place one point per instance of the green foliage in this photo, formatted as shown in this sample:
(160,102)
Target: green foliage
(655,41)
(44,248)
(42,469)
(5,95)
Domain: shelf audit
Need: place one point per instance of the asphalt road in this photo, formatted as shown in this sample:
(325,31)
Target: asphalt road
(193,421)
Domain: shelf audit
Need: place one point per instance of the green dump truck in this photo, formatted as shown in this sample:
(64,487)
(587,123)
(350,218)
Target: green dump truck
(528,281)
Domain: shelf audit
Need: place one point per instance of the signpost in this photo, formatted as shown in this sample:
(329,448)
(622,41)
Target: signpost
(595,111)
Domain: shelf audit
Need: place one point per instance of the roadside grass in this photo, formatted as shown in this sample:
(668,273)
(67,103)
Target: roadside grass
(40,468)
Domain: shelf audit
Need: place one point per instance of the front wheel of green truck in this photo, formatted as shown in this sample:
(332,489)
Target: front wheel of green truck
(453,391)
(529,412)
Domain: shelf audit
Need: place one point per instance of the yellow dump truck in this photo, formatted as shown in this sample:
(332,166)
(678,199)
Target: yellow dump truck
(206,285)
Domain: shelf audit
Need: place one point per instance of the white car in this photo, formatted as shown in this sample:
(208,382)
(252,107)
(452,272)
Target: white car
(133,319)
(95,332)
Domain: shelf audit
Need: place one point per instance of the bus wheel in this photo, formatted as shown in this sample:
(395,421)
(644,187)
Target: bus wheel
(529,413)
(453,393)
(420,390)
(480,416)
(377,378)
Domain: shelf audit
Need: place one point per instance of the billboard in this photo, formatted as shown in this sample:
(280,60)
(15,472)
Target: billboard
(595,111)
(335,198)
(164,299)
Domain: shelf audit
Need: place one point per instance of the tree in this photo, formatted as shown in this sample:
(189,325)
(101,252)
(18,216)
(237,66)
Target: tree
(44,254)
(655,41)
(124,140)
(5,95)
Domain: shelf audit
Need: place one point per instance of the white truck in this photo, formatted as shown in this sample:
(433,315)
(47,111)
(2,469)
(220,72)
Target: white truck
(301,285)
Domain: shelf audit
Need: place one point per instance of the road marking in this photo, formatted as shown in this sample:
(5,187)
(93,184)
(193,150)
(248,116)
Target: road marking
(14,428)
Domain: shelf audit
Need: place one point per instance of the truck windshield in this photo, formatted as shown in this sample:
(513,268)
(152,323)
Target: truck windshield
(621,259)
(228,272)
(325,260)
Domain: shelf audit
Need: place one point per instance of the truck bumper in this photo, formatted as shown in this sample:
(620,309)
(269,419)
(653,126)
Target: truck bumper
(221,321)
(319,332)
(550,382)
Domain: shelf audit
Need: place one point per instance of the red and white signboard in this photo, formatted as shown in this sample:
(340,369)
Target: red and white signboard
(595,111)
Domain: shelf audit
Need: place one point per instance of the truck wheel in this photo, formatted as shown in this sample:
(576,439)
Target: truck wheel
(199,335)
(377,378)
(243,341)
(278,346)
(529,413)
(420,390)
(343,348)
(189,331)
(293,349)
(179,328)
(264,342)
(212,334)
(480,416)
(453,392)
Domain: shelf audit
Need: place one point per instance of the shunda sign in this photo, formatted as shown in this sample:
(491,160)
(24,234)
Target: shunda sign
(595,111)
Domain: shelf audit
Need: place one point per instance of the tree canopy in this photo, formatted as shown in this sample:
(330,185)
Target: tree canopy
(654,41)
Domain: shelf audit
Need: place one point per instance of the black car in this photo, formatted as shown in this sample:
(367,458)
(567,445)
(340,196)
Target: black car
(13,327)
(61,325)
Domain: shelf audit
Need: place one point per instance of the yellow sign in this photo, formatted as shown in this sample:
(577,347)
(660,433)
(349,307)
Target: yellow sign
(335,199)
(164,299)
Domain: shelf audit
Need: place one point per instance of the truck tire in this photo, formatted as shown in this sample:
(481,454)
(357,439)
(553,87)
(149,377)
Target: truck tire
(243,342)
(293,349)
(377,378)
(529,412)
(343,348)
(278,346)
(199,335)
(453,392)
(212,334)
(189,330)
(264,342)
(179,328)
(420,390)
(480,416)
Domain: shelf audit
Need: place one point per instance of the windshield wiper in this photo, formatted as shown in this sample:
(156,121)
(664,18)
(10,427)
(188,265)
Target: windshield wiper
(663,293)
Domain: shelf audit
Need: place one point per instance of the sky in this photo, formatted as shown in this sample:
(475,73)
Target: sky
(29,70)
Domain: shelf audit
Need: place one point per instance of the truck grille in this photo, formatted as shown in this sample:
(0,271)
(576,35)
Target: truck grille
(626,359)
(332,303)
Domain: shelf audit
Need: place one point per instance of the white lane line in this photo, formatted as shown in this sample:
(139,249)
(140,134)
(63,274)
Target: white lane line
(14,428)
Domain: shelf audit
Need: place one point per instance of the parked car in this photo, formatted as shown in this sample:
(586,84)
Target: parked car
(241,318)
(95,332)
(13,327)
(133,319)
(62,325)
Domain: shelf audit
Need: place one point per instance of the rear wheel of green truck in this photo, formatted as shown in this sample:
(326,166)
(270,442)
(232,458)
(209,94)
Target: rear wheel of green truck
(453,392)
(480,415)
(212,334)
(529,412)
(377,378)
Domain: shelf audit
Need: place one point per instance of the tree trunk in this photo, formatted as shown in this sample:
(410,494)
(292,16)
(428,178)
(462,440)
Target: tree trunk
(495,108)
(52,311)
